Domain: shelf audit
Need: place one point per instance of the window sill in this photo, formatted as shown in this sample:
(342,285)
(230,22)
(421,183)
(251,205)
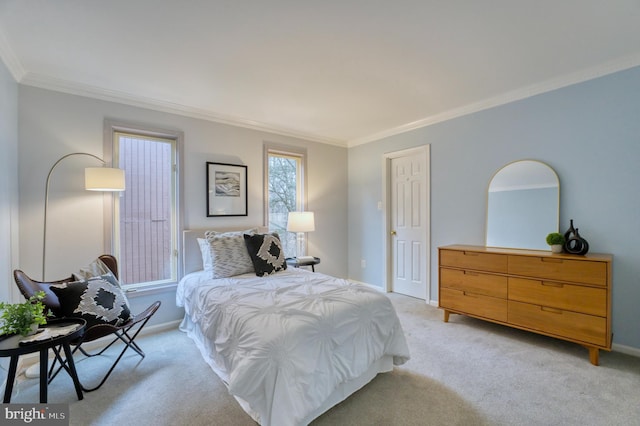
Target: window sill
(133,291)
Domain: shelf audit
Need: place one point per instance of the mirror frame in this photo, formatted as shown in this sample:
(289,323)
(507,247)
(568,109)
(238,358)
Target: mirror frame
(557,216)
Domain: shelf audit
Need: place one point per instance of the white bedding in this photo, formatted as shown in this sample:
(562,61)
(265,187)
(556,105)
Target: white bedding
(284,343)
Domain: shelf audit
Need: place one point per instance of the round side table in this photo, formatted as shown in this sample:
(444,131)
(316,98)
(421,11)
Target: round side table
(296,263)
(14,346)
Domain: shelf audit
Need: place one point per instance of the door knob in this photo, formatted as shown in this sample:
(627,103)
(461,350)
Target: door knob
(393,232)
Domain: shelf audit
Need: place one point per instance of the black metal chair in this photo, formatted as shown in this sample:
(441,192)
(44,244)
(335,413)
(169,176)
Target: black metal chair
(125,333)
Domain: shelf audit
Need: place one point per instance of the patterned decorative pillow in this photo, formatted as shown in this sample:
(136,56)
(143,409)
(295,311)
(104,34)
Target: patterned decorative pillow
(229,256)
(266,253)
(97,300)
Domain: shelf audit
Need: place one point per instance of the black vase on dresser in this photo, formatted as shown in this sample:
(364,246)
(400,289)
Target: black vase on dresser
(574,243)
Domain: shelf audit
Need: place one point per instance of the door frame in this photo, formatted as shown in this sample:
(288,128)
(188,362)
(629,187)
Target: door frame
(387,265)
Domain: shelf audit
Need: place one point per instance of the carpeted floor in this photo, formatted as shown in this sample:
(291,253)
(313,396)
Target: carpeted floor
(465,372)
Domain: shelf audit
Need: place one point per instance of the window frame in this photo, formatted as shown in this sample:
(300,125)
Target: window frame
(301,186)
(111,129)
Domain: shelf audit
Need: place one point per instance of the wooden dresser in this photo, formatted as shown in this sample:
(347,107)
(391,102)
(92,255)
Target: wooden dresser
(559,295)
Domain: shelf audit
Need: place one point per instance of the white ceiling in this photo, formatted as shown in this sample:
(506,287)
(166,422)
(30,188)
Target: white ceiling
(337,71)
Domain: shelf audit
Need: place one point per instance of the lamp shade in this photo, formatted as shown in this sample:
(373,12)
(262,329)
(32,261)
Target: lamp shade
(103,179)
(301,222)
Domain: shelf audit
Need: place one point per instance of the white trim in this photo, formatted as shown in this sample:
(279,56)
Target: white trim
(113,127)
(581,76)
(628,350)
(386,205)
(73,88)
(9,58)
(374,287)
(65,86)
(433,303)
(28,361)
(303,191)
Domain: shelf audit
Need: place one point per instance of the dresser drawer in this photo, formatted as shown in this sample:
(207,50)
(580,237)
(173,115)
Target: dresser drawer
(473,304)
(557,268)
(569,297)
(574,326)
(474,282)
(474,260)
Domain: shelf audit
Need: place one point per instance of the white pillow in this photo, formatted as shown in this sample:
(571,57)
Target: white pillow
(96,268)
(205,250)
(229,255)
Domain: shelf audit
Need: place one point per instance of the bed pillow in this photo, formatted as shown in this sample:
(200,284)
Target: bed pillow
(266,253)
(229,256)
(97,300)
(205,250)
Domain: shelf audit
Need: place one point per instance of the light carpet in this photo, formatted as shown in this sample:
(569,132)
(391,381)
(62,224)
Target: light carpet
(465,372)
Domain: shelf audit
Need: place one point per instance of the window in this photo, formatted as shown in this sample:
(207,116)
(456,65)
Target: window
(284,191)
(145,221)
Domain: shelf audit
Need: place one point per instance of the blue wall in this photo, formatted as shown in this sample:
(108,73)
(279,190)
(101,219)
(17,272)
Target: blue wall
(588,132)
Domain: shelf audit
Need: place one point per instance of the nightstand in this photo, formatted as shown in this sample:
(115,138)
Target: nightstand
(303,261)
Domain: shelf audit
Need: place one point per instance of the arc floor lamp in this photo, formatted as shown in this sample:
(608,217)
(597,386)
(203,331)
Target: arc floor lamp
(103,178)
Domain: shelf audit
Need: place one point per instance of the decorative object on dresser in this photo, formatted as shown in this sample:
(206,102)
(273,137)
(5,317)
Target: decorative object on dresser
(564,296)
(574,243)
(556,242)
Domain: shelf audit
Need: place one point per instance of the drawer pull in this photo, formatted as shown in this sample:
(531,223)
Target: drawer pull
(472,274)
(550,260)
(548,284)
(465,294)
(551,310)
(470,253)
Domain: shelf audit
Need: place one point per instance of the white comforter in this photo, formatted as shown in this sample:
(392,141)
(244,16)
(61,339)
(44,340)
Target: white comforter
(284,342)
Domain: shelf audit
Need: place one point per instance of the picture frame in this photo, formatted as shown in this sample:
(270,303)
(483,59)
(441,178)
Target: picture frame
(226,189)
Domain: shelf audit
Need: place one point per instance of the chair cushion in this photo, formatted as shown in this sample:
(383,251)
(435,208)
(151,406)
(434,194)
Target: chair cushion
(266,253)
(97,300)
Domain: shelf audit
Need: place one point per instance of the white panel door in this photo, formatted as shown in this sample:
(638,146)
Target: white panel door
(408,208)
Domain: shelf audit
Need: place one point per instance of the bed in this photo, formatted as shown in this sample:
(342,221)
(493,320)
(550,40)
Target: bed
(290,345)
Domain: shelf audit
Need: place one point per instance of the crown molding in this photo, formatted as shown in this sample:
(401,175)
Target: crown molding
(65,86)
(10,59)
(620,64)
(94,92)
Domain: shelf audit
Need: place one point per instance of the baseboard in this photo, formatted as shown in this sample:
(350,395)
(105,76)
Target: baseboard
(374,287)
(629,350)
(433,303)
(27,362)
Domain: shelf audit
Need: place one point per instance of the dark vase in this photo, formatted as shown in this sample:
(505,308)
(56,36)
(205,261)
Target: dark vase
(570,232)
(576,244)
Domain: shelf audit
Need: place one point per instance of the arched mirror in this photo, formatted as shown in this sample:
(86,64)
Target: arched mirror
(522,205)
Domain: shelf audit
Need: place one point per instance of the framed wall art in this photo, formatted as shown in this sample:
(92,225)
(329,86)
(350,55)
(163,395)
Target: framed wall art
(226,189)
